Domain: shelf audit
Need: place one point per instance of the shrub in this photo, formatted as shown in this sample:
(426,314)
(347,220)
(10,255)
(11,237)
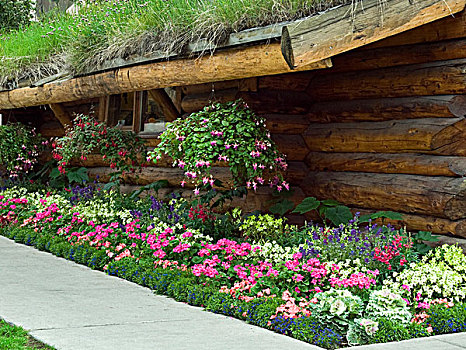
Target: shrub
(14,14)
(263,227)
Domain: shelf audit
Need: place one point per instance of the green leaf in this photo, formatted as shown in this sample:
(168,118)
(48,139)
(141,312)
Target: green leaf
(381,214)
(197,259)
(79,175)
(338,215)
(425,236)
(330,203)
(55,173)
(282,207)
(110,185)
(308,204)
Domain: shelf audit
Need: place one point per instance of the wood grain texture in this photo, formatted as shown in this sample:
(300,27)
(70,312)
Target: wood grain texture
(232,64)
(442,136)
(165,103)
(382,109)
(435,78)
(415,164)
(61,114)
(357,24)
(439,196)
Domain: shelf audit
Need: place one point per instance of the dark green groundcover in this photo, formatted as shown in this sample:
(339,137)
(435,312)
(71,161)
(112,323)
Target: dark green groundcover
(183,286)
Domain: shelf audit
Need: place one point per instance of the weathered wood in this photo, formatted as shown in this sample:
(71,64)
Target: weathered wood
(166,104)
(296,172)
(424,195)
(286,124)
(294,82)
(293,146)
(436,78)
(445,106)
(61,114)
(223,65)
(194,103)
(360,60)
(210,87)
(277,102)
(138,110)
(102,113)
(52,129)
(443,136)
(451,27)
(357,24)
(415,164)
(422,223)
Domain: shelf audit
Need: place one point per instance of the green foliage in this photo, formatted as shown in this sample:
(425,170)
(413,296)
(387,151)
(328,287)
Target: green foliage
(384,303)
(16,338)
(392,330)
(381,214)
(444,320)
(121,149)
(419,240)
(19,149)
(329,209)
(228,132)
(14,14)
(263,227)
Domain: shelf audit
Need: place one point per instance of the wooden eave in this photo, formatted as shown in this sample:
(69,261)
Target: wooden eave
(282,48)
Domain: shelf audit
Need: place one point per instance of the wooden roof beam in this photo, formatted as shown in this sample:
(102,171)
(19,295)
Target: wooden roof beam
(244,62)
(161,97)
(356,24)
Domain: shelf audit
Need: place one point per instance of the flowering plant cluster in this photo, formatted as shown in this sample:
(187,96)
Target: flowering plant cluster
(340,292)
(229,133)
(19,148)
(122,150)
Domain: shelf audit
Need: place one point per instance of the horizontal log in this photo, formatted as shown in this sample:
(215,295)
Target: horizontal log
(415,164)
(450,27)
(277,102)
(445,106)
(415,223)
(442,136)
(295,82)
(376,58)
(52,129)
(146,176)
(293,146)
(286,123)
(439,196)
(296,172)
(229,64)
(194,103)
(436,78)
(217,86)
(356,24)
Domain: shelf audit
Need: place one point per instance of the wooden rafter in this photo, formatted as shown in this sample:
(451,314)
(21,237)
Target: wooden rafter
(165,103)
(356,24)
(230,64)
(61,114)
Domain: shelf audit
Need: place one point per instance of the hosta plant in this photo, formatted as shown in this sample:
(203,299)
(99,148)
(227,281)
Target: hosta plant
(230,133)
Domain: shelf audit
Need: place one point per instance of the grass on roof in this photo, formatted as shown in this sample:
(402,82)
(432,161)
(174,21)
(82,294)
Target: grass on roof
(108,29)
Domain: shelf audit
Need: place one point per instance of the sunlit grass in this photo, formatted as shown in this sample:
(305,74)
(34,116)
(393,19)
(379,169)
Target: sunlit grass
(16,338)
(109,29)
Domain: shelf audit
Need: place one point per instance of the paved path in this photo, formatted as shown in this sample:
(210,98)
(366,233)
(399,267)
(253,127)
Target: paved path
(70,307)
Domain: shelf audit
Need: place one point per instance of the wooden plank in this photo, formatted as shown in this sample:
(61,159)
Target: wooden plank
(436,78)
(421,195)
(442,136)
(360,60)
(194,103)
(293,146)
(224,65)
(357,24)
(166,104)
(138,110)
(286,124)
(444,106)
(61,114)
(451,27)
(102,113)
(414,164)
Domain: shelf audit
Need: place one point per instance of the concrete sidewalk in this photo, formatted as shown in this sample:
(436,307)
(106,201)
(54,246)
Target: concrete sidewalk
(70,306)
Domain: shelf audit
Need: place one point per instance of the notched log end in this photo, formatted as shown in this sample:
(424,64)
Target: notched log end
(287,50)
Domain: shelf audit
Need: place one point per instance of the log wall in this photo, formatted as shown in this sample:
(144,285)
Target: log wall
(383,129)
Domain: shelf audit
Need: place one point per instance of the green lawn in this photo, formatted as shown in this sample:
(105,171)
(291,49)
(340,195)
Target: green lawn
(16,338)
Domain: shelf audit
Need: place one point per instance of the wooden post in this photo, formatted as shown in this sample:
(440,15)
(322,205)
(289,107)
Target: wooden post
(138,110)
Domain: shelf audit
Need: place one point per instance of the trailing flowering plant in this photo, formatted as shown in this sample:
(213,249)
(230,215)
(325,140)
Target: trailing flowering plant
(228,132)
(19,148)
(121,149)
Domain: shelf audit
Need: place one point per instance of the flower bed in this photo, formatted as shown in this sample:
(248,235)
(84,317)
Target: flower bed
(330,286)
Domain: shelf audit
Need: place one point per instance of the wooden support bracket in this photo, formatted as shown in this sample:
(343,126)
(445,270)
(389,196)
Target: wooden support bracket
(166,104)
(61,114)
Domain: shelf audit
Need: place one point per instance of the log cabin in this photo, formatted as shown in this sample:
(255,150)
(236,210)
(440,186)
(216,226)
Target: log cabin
(369,108)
